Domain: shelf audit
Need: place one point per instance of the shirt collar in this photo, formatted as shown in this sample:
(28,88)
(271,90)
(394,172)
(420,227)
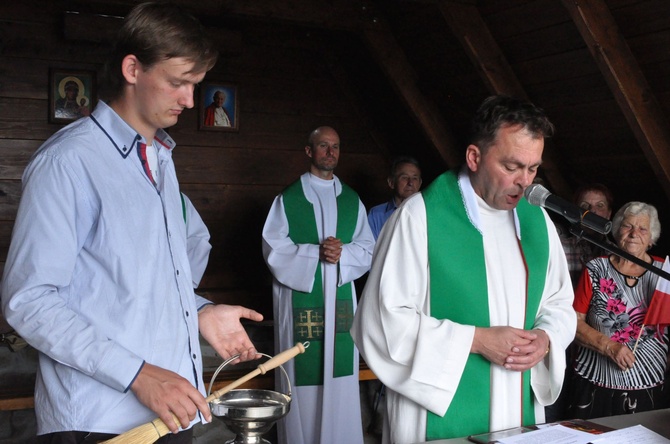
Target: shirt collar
(310,195)
(123,136)
(471,205)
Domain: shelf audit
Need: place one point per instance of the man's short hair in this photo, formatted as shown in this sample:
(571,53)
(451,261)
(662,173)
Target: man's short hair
(400,160)
(154,32)
(502,111)
(598,187)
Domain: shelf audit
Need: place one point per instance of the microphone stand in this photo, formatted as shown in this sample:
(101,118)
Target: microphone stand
(578,231)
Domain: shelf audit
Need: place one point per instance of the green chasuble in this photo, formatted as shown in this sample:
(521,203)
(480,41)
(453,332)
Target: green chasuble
(458,289)
(308,308)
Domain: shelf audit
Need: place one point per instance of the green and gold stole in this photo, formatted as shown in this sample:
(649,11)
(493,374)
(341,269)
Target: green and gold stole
(458,289)
(308,308)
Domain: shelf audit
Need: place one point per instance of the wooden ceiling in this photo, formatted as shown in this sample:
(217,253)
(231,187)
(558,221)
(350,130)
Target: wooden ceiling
(417,70)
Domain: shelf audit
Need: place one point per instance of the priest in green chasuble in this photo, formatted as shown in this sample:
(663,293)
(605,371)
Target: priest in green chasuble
(316,242)
(467,309)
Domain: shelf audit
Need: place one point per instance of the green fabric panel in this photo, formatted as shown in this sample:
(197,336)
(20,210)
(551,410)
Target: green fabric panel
(308,325)
(347,218)
(347,214)
(300,215)
(308,308)
(302,230)
(183,207)
(535,248)
(449,229)
(458,292)
(344,344)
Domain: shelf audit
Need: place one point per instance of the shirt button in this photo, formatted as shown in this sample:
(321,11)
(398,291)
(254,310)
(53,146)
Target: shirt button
(187,314)
(177,272)
(194,356)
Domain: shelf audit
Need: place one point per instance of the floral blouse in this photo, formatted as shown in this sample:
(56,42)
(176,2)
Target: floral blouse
(617,309)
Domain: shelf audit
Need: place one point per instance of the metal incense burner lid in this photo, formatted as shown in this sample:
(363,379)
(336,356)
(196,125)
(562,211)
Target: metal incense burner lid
(250,413)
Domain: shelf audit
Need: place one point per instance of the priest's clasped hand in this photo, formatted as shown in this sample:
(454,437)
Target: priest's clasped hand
(330,250)
(513,348)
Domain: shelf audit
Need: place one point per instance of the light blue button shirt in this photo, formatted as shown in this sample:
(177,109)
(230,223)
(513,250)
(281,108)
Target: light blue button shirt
(378,215)
(97,276)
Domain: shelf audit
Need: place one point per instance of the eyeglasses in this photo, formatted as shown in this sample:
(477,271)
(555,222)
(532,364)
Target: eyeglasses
(13,341)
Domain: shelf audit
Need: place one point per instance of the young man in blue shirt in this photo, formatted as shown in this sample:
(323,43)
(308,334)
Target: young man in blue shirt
(99,277)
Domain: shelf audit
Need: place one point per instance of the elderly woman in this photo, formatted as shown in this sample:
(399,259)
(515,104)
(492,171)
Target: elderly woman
(611,301)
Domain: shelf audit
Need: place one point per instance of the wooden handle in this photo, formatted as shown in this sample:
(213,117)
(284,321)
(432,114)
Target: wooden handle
(151,431)
(274,362)
(281,358)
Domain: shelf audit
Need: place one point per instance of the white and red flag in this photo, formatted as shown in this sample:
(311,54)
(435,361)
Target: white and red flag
(658,313)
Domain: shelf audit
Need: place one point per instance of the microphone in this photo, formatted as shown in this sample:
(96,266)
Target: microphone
(538,195)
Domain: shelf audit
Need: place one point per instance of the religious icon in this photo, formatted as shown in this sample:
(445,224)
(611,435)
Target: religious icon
(218,107)
(71,95)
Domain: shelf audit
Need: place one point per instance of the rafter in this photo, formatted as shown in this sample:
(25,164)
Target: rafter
(468,26)
(627,82)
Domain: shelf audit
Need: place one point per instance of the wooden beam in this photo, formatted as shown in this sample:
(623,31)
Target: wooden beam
(329,14)
(468,26)
(482,49)
(24,403)
(629,86)
(390,57)
(100,28)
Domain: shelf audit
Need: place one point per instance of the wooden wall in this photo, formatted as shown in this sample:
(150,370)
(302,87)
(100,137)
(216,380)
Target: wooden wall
(286,87)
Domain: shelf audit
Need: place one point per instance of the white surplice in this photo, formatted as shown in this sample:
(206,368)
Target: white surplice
(327,414)
(419,358)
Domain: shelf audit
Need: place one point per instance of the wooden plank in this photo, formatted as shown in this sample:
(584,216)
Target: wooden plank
(468,26)
(603,116)
(637,18)
(46,41)
(25,119)
(256,136)
(10,194)
(28,78)
(560,96)
(24,403)
(518,17)
(15,154)
(559,67)
(6,227)
(628,84)
(43,11)
(466,23)
(650,48)
(90,27)
(102,28)
(240,166)
(533,45)
(345,84)
(341,14)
